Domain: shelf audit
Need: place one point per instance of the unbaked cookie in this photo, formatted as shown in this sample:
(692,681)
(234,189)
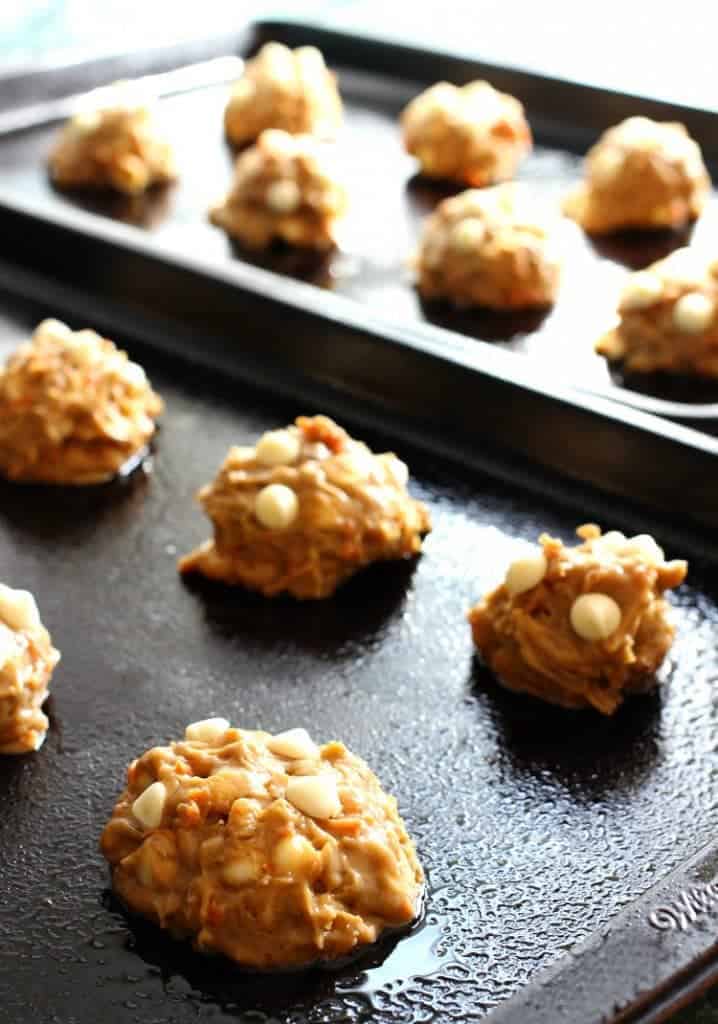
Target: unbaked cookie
(305,509)
(668,318)
(580,626)
(120,147)
(268,848)
(27,660)
(640,174)
(73,408)
(282,88)
(472,133)
(488,247)
(284,188)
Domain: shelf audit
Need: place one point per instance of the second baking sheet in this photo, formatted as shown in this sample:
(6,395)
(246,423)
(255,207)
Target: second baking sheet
(388,204)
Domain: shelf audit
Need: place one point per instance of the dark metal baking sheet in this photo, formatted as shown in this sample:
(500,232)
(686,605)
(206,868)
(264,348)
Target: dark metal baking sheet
(169,229)
(537,826)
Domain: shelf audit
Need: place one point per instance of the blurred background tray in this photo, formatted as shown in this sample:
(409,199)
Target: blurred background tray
(359,325)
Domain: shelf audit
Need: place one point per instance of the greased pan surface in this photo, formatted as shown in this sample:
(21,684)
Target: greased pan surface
(388,205)
(536,826)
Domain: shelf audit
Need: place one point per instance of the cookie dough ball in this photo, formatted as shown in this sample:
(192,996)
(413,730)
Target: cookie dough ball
(73,408)
(284,188)
(640,174)
(27,660)
(120,147)
(487,247)
(270,849)
(580,626)
(469,133)
(282,88)
(668,318)
(304,510)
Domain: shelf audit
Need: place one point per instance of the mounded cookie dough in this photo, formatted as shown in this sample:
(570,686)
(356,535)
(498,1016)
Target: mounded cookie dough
(580,626)
(282,88)
(27,660)
(640,174)
(304,510)
(668,318)
(284,188)
(486,247)
(469,133)
(269,849)
(120,147)
(73,408)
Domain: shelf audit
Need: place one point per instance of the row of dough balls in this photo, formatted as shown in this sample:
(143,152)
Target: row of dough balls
(299,512)
(639,174)
(577,626)
(278,852)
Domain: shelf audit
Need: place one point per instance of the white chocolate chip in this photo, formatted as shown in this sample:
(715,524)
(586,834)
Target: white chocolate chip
(18,609)
(468,234)
(525,573)
(276,506)
(399,471)
(284,196)
(693,312)
(294,743)
(278,448)
(614,539)
(208,730)
(8,645)
(54,330)
(640,132)
(314,795)
(684,266)
(595,616)
(642,289)
(648,547)
(134,375)
(149,806)
(294,855)
(239,872)
(606,165)
(241,453)
(243,90)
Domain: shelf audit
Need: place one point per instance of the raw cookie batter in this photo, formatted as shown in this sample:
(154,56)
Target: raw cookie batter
(120,147)
(282,88)
(270,849)
(668,318)
(284,188)
(73,408)
(640,174)
(27,660)
(471,133)
(304,510)
(488,247)
(580,626)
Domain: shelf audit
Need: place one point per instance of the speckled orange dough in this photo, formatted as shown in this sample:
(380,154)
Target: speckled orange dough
(282,88)
(284,188)
(640,174)
(580,626)
(73,408)
(668,318)
(27,660)
(304,510)
(486,247)
(469,133)
(269,849)
(119,148)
